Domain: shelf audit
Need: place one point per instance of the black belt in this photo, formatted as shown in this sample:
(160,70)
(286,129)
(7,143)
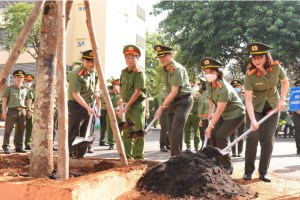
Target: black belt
(17,108)
(184,96)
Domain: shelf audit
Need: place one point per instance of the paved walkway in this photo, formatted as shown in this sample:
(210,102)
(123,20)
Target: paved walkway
(284,163)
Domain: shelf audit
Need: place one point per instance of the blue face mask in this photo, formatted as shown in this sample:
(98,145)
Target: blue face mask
(237,90)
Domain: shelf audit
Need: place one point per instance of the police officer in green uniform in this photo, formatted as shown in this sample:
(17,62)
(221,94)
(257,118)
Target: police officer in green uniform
(17,99)
(192,122)
(226,110)
(203,111)
(103,123)
(28,80)
(81,94)
(114,96)
(132,96)
(261,96)
(237,86)
(296,121)
(179,100)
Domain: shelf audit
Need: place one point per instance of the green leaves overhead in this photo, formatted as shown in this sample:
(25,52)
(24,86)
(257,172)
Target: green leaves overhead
(221,29)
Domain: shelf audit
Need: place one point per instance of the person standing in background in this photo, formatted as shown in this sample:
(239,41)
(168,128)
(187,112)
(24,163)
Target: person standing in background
(296,121)
(203,110)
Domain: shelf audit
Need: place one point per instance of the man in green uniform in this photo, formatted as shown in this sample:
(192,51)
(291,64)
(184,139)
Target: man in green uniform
(296,121)
(114,96)
(203,110)
(192,122)
(17,99)
(103,123)
(28,80)
(179,100)
(237,86)
(81,94)
(132,95)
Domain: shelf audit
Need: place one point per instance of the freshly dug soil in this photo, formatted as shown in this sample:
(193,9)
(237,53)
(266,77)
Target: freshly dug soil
(191,175)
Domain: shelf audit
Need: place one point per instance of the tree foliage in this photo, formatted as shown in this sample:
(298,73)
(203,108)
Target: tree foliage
(222,29)
(15,17)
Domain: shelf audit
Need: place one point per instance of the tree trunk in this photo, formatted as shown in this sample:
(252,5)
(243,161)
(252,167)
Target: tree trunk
(61,85)
(41,164)
(19,44)
(106,97)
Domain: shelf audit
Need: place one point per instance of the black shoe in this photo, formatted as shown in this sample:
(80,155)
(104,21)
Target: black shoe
(265,177)
(90,149)
(6,150)
(103,144)
(168,147)
(20,151)
(298,152)
(247,176)
(163,149)
(111,147)
(55,149)
(27,148)
(239,155)
(233,155)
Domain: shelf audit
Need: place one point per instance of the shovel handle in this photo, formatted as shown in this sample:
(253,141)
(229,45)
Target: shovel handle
(249,131)
(88,130)
(150,125)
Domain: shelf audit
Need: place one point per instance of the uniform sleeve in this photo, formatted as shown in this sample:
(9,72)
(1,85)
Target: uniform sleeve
(139,82)
(248,84)
(224,95)
(177,78)
(282,74)
(6,93)
(29,95)
(75,83)
(200,106)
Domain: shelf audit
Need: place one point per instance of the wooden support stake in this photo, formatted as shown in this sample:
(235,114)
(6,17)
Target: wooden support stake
(103,87)
(19,44)
(61,85)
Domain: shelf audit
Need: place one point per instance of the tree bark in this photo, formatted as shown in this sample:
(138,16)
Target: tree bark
(106,97)
(41,164)
(19,44)
(62,97)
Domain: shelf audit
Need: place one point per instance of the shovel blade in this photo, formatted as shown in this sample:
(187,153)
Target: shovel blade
(78,140)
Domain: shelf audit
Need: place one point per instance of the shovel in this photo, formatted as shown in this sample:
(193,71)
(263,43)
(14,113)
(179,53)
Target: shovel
(227,149)
(87,138)
(215,152)
(141,133)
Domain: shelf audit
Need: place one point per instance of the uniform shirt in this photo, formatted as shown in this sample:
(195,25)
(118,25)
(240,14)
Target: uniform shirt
(16,97)
(131,80)
(203,107)
(83,82)
(194,110)
(234,108)
(163,95)
(264,88)
(176,75)
(114,99)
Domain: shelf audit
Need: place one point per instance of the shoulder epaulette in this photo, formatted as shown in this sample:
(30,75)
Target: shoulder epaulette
(219,85)
(251,72)
(275,63)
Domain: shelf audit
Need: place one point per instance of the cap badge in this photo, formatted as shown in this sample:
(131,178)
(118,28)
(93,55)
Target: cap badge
(206,62)
(158,49)
(130,48)
(254,48)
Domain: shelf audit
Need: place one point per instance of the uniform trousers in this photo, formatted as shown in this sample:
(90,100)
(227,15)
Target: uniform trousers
(202,132)
(18,117)
(240,144)
(178,112)
(78,122)
(164,139)
(222,130)
(134,148)
(296,121)
(103,123)
(265,134)
(192,122)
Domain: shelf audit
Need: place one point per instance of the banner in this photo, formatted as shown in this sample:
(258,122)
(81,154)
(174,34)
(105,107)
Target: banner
(295,99)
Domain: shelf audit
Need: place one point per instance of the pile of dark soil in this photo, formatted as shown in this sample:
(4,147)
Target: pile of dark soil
(191,175)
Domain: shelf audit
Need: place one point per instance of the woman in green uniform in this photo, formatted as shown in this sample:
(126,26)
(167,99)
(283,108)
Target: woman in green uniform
(261,96)
(226,110)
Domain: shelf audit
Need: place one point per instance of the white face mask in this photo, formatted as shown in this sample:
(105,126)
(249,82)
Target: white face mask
(210,77)
(27,84)
(237,90)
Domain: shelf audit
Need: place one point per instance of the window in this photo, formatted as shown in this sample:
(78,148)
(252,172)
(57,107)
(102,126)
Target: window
(81,8)
(80,42)
(140,41)
(140,12)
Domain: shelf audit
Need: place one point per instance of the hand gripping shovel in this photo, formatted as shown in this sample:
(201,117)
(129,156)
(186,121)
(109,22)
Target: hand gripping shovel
(81,143)
(141,133)
(226,150)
